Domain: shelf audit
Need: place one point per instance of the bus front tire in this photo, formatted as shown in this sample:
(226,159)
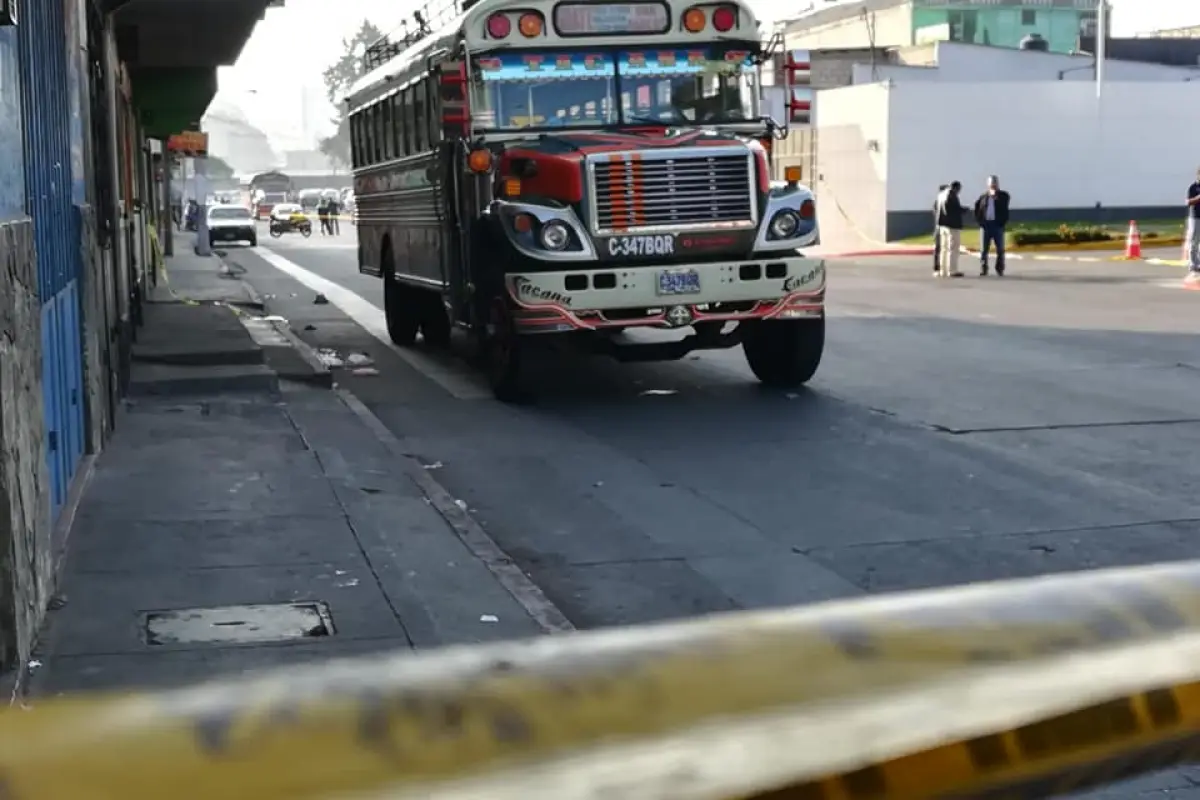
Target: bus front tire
(435,321)
(401,308)
(784,353)
(503,355)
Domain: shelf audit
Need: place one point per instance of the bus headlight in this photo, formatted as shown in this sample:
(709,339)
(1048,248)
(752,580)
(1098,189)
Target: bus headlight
(784,225)
(555,236)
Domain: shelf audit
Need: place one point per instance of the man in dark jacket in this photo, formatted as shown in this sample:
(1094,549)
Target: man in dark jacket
(950,214)
(991,209)
(937,239)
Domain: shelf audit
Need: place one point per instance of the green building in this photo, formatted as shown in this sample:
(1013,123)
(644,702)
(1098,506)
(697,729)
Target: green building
(902,23)
(1004,23)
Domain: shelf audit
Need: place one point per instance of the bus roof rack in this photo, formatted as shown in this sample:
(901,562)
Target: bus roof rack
(430,17)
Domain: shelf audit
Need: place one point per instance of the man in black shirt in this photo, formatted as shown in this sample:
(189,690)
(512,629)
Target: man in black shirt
(991,211)
(1193,227)
(950,224)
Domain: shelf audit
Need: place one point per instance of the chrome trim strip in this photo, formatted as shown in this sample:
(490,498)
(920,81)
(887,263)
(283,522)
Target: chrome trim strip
(419,280)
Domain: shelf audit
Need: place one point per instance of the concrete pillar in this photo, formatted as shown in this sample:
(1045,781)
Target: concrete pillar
(203,248)
(121,242)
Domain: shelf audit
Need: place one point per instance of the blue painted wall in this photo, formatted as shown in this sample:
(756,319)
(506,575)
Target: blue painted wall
(46,38)
(12,157)
(74,22)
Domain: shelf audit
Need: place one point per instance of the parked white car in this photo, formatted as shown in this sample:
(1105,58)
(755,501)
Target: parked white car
(230,223)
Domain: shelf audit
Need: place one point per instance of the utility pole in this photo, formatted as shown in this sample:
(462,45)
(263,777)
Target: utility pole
(203,247)
(1101,45)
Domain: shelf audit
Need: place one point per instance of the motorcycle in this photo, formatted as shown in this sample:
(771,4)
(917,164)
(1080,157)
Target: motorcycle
(296,223)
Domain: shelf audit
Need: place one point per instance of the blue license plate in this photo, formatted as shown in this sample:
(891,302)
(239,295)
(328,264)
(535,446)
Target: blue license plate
(678,281)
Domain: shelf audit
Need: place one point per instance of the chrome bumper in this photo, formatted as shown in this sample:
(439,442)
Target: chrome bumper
(593,299)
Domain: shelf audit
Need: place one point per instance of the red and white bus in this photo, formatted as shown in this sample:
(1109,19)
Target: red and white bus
(541,169)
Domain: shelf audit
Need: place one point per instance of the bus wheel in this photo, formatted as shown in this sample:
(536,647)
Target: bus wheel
(503,355)
(435,322)
(784,353)
(401,307)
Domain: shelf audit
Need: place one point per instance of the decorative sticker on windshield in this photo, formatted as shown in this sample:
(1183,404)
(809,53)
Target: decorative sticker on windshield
(666,58)
(491,64)
(637,59)
(533,63)
(697,58)
(595,62)
(564,63)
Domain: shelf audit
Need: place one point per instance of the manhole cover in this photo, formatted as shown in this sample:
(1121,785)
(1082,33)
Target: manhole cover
(239,624)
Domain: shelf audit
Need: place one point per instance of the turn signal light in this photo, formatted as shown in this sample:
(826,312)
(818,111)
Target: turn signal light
(724,19)
(498,26)
(512,187)
(530,25)
(793,174)
(480,160)
(694,20)
(523,223)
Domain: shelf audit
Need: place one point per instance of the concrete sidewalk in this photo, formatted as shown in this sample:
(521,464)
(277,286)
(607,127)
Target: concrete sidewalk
(242,520)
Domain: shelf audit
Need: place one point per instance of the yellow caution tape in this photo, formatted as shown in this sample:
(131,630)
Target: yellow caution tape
(1022,689)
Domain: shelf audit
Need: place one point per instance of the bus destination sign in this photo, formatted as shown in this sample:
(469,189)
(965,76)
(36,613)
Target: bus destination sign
(611,19)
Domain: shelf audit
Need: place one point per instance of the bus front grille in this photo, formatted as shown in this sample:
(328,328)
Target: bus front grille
(645,191)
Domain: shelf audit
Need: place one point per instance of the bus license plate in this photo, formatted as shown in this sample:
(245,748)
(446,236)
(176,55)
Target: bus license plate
(678,281)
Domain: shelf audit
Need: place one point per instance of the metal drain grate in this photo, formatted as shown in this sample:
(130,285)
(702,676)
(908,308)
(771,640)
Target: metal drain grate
(239,624)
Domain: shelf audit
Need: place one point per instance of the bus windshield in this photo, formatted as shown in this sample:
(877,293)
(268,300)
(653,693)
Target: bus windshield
(668,86)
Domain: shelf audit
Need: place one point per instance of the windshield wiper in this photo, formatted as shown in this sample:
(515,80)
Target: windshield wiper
(654,121)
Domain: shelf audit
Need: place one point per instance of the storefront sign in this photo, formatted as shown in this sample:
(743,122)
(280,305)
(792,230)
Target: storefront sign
(192,143)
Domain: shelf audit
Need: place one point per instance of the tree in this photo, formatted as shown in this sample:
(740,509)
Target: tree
(218,168)
(339,77)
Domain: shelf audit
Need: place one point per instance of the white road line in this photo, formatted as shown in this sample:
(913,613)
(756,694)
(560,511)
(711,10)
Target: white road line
(460,383)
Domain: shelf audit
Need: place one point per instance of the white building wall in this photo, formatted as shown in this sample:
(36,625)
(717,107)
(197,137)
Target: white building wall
(853,153)
(954,61)
(893,28)
(1054,145)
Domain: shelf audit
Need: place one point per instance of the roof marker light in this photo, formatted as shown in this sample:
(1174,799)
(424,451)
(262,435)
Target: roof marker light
(724,19)
(498,26)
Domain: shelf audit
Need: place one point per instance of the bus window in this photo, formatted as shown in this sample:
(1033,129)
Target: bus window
(521,90)
(368,137)
(690,84)
(377,132)
(434,106)
(355,127)
(397,130)
(420,122)
(410,147)
(385,113)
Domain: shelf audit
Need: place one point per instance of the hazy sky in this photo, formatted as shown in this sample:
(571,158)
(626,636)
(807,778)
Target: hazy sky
(302,38)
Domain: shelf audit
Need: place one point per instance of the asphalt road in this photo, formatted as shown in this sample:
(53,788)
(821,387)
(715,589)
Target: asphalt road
(957,431)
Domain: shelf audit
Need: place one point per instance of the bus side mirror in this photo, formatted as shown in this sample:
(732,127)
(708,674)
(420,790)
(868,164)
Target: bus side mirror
(797,80)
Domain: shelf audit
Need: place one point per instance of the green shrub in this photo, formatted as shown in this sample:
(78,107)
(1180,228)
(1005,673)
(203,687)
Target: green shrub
(1069,234)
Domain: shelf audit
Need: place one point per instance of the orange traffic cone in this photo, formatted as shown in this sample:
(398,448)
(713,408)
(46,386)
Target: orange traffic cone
(1133,242)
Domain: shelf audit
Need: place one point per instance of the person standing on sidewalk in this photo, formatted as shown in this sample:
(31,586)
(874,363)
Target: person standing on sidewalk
(335,210)
(991,210)
(937,239)
(1193,227)
(950,225)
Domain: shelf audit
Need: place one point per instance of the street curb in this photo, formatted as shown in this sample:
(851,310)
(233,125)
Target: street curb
(530,597)
(1011,256)
(321,375)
